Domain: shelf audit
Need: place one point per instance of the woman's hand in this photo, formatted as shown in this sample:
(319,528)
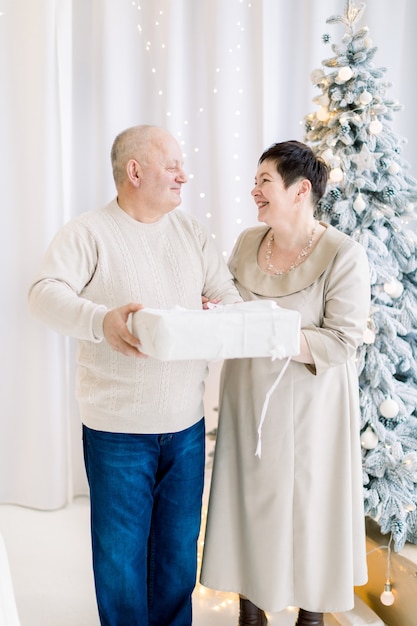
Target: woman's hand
(206,302)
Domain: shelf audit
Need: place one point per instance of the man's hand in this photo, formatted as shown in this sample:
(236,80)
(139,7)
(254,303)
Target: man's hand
(116,332)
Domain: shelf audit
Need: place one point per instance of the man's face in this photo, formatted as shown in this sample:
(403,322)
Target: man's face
(163,175)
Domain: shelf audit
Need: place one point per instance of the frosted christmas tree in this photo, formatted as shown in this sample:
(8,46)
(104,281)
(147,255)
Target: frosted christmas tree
(371,196)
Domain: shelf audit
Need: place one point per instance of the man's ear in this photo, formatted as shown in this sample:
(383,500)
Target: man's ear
(134,172)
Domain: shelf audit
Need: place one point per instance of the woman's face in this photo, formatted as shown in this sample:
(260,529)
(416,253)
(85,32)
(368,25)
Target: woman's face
(271,197)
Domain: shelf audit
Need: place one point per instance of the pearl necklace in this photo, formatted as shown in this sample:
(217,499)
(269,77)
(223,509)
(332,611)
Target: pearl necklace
(302,255)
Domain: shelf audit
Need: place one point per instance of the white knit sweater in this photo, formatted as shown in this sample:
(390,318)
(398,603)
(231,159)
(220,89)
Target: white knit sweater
(105,259)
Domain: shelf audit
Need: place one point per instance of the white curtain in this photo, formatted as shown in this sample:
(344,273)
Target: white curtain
(226,77)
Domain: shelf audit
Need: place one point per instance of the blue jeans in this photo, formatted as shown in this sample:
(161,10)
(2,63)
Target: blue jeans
(146,493)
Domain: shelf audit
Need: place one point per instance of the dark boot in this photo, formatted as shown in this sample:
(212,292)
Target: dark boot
(307,618)
(250,615)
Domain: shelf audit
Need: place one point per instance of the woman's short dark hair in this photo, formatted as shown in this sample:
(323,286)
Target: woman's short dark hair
(295,160)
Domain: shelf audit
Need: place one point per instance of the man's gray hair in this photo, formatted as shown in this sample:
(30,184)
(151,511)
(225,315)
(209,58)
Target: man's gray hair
(132,143)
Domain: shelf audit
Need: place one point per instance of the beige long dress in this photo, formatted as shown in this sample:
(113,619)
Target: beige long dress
(287,529)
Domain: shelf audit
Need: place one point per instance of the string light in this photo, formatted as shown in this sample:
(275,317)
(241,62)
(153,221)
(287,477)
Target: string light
(410,461)
(226,87)
(387,597)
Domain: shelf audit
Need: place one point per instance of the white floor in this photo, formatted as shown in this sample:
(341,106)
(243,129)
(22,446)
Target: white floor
(49,557)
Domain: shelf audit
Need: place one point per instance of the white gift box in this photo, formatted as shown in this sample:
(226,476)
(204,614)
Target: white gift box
(249,329)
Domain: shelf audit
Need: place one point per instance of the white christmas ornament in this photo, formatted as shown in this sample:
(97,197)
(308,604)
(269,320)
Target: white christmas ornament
(369,440)
(359,204)
(316,76)
(344,74)
(375,127)
(323,114)
(327,155)
(365,97)
(324,100)
(336,175)
(394,168)
(389,408)
(368,336)
(394,288)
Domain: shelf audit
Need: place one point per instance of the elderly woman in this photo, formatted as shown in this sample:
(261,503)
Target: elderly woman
(288,528)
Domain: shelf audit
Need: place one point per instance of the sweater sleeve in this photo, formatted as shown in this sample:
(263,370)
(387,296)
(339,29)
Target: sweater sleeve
(346,309)
(54,296)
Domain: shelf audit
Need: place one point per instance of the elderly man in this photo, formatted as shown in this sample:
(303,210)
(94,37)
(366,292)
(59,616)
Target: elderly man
(143,425)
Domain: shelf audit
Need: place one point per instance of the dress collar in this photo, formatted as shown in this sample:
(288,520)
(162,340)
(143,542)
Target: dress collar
(244,265)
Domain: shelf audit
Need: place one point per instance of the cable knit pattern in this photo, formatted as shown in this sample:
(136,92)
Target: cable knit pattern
(104,259)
